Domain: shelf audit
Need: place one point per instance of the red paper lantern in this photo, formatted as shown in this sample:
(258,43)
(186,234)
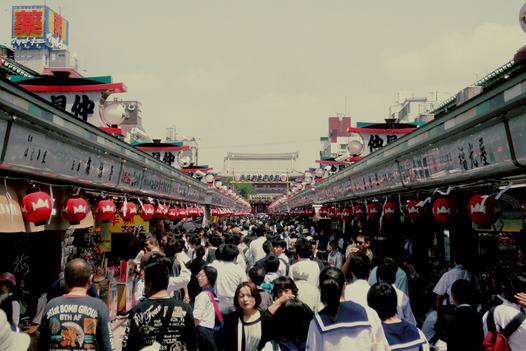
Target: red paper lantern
(181,213)
(74,210)
(310,211)
(200,211)
(323,212)
(359,211)
(347,213)
(482,209)
(391,210)
(339,213)
(106,210)
(37,207)
(332,213)
(444,210)
(173,214)
(414,211)
(127,211)
(161,211)
(373,211)
(213,212)
(147,211)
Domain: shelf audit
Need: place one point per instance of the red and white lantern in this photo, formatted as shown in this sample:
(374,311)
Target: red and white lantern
(36,207)
(359,211)
(106,210)
(200,211)
(444,210)
(391,210)
(414,211)
(482,209)
(74,210)
(146,212)
(161,211)
(373,211)
(181,213)
(347,213)
(173,213)
(213,212)
(339,213)
(127,211)
(332,213)
(323,212)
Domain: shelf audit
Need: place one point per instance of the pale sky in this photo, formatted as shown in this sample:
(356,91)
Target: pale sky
(264,76)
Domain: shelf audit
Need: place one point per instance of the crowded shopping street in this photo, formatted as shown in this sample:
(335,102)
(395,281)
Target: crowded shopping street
(207,196)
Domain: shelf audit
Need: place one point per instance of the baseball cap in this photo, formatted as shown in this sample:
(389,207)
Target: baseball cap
(10,340)
(8,277)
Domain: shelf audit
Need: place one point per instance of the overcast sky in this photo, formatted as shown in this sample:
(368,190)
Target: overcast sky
(263,76)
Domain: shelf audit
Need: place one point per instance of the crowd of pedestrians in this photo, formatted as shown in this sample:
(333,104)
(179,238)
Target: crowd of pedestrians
(265,284)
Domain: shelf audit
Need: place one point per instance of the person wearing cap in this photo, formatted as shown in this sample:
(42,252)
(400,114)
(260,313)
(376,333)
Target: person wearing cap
(76,320)
(10,340)
(7,284)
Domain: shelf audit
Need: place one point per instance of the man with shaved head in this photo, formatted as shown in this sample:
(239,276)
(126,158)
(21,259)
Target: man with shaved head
(76,321)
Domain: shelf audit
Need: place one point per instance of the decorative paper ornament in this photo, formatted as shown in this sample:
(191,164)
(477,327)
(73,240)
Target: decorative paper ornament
(310,211)
(359,211)
(106,210)
(161,211)
(373,211)
(339,213)
(332,213)
(347,213)
(127,211)
(482,209)
(444,210)
(147,211)
(213,212)
(173,213)
(200,211)
(192,212)
(74,210)
(36,207)
(323,212)
(391,210)
(414,211)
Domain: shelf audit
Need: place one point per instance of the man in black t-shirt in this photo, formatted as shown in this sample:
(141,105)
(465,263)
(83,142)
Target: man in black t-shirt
(160,318)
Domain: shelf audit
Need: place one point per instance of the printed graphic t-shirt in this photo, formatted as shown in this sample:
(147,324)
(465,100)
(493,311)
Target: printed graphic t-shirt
(76,323)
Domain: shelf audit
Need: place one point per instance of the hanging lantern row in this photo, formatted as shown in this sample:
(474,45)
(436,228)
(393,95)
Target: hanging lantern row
(482,210)
(37,207)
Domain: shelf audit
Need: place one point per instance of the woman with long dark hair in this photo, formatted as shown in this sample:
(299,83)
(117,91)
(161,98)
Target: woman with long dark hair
(247,328)
(343,325)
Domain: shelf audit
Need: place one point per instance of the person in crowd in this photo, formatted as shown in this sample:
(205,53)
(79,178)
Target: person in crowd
(279,246)
(401,279)
(229,276)
(76,319)
(305,266)
(387,274)
(291,323)
(335,256)
(256,275)
(174,250)
(58,288)
(204,309)
(322,259)
(267,248)
(271,267)
(7,306)
(359,268)
(195,267)
(363,243)
(215,241)
(165,239)
(8,284)
(247,328)
(307,293)
(235,239)
(255,251)
(504,313)
(159,319)
(11,340)
(465,329)
(400,334)
(343,325)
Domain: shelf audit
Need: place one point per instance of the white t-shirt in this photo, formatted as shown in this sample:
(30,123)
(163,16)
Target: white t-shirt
(502,316)
(204,310)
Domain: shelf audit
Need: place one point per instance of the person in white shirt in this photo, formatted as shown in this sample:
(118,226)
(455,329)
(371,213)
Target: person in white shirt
(229,276)
(204,309)
(255,251)
(305,266)
(357,289)
(279,246)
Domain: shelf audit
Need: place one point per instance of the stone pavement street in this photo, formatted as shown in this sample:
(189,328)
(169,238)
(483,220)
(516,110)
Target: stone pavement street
(118,326)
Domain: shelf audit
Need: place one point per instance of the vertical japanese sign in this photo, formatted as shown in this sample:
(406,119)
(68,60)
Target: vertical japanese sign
(38,27)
